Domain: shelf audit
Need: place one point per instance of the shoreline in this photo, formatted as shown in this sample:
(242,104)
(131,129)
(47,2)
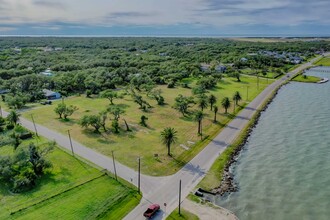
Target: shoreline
(227,184)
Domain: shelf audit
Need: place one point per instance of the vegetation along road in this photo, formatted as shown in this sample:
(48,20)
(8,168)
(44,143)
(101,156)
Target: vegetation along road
(165,189)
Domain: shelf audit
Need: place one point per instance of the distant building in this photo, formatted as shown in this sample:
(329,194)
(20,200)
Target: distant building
(296,60)
(51,95)
(4,91)
(48,49)
(220,68)
(17,50)
(47,72)
(204,67)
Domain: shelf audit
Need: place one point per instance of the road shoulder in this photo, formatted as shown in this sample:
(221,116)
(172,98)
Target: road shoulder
(206,212)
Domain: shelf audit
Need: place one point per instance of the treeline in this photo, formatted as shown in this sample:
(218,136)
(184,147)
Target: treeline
(97,64)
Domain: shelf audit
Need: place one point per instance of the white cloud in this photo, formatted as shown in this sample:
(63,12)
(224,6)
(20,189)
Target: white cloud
(170,12)
(6,29)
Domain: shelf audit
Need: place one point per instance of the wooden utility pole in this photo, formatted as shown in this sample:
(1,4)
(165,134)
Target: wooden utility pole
(180,198)
(139,177)
(70,142)
(114,165)
(34,124)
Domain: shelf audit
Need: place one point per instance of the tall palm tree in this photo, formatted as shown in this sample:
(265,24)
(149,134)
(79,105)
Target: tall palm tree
(13,117)
(169,137)
(199,115)
(225,103)
(215,110)
(237,97)
(212,100)
(203,102)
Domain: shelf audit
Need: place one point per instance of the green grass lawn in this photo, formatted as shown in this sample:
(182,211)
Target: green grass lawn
(270,75)
(71,189)
(325,61)
(184,215)
(145,142)
(306,79)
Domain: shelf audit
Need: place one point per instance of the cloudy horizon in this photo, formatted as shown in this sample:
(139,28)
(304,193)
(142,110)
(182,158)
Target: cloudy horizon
(171,17)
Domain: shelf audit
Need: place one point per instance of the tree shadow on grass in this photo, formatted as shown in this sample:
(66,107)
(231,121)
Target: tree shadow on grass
(242,82)
(105,141)
(219,123)
(121,105)
(68,121)
(225,82)
(187,117)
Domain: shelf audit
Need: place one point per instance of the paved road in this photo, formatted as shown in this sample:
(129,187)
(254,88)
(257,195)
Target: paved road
(193,172)
(165,189)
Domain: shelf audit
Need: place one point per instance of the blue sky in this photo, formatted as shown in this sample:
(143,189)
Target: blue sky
(168,17)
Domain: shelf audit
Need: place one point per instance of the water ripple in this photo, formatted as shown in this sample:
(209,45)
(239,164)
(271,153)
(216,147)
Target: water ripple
(283,173)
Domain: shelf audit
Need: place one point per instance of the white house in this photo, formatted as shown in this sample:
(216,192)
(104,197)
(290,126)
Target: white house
(47,72)
(51,95)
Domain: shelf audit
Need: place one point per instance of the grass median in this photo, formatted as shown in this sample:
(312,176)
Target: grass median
(184,215)
(325,61)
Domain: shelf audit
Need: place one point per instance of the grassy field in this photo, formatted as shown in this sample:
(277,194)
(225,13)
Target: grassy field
(142,141)
(306,79)
(71,189)
(325,61)
(184,215)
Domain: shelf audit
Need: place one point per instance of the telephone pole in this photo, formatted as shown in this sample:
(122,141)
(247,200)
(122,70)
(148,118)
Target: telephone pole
(139,177)
(180,198)
(70,142)
(34,124)
(114,165)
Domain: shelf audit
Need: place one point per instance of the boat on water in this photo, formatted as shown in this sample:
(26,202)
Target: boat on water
(324,80)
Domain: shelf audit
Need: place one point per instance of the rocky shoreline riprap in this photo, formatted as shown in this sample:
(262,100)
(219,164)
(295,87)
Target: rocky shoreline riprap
(228,184)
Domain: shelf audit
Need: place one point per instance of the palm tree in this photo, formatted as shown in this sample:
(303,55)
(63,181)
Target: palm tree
(203,102)
(215,110)
(212,100)
(237,97)
(199,115)
(169,136)
(13,117)
(225,103)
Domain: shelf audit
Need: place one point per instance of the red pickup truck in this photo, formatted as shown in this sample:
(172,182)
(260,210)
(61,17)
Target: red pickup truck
(151,210)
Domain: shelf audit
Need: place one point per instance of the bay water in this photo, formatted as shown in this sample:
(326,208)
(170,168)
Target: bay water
(283,172)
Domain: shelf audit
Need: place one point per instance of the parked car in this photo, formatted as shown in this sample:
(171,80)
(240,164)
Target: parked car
(152,209)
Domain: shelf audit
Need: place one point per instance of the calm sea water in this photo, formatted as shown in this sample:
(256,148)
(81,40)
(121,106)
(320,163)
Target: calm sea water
(284,170)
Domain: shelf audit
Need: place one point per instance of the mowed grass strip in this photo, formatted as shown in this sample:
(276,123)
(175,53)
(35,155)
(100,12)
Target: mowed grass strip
(69,181)
(184,215)
(145,142)
(325,61)
(98,198)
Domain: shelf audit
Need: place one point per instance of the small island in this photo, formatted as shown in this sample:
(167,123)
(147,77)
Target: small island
(307,79)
